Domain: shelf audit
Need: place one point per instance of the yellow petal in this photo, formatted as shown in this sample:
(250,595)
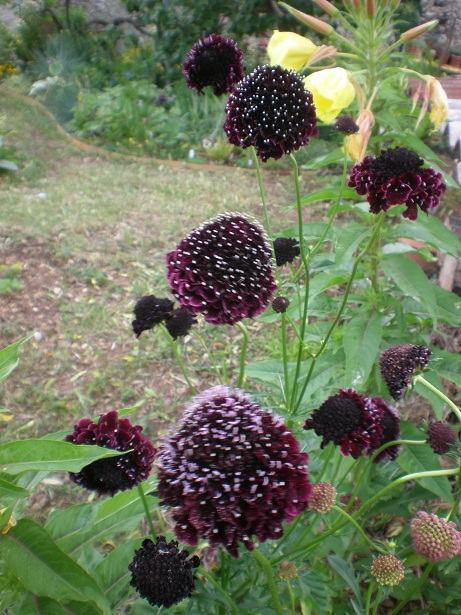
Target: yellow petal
(439,102)
(290,50)
(332,91)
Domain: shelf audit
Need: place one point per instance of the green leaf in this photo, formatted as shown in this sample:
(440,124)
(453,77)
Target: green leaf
(9,357)
(10,491)
(39,605)
(432,231)
(361,342)
(412,281)
(421,459)
(8,165)
(344,570)
(327,195)
(323,161)
(49,456)
(112,573)
(448,306)
(447,365)
(34,558)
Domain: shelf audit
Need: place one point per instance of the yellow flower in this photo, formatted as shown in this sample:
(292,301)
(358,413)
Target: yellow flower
(356,144)
(332,91)
(439,102)
(290,50)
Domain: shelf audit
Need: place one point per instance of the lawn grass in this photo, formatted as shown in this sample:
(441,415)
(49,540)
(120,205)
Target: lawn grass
(86,236)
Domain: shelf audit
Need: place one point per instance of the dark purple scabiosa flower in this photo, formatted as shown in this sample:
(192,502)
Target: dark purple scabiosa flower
(215,61)
(350,420)
(107,476)
(280,305)
(388,570)
(399,363)
(389,421)
(286,249)
(346,124)
(223,270)
(161,573)
(271,110)
(396,177)
(180,322)
(440,437)
(150,311)
(231,471)
(322,497)
(434,538)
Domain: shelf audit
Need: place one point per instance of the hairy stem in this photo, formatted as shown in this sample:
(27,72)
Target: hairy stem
(243,354)
(439,394)
(362,533)
(145,504)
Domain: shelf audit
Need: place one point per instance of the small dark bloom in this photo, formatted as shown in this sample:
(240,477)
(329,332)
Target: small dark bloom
(346,124)
(390,425)
(280,305)
(161,573)
(107,476)
(180,322)
(231,471)
(399,363)
(286,249)
(150,311)
(440,437)
(396,177)
(223,270)
(271,110)
(215,61)
(350,420)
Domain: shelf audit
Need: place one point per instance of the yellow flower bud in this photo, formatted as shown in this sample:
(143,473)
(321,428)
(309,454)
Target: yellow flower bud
(356,144)
(439,102)
(332,91)
(290,50)
(308,20)
(418,30)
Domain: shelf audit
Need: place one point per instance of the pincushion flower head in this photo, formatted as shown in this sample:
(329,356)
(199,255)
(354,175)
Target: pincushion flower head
(440,437)
(434,538)
(290,50)
(215,61)
(161,573)
(396,177)
(322,497)
(231,472)
(332,91)
(350,420)
(223,269)
(398,365)
(388,570)
(107,476)
(272,111)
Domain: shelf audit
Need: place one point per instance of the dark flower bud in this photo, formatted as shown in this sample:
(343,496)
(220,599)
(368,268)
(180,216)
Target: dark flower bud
(180,322)
(107,476)
(346,124)
(215,61)
(280,305)
(161,573)
(399,363)
(440,437)
(286,249)
(150,311)
(271,110)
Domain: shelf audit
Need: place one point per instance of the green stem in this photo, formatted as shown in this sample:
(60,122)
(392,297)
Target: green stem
(268,571)
(262,191)
(233,608)
(179,359)
(457,498)
(382,448)
(336,468)
(368,598)
(439,394)
(243,354)
(145,504)
(326,463)
(213,364)
(350,519)
(377,602)
(285,358)
(359,257)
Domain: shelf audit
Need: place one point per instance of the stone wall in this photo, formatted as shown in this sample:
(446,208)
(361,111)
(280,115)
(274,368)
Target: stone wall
(447,36)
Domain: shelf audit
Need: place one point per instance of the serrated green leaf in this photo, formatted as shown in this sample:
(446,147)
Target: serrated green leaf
(44,569)
(362,339)
(9,357)
(49,456)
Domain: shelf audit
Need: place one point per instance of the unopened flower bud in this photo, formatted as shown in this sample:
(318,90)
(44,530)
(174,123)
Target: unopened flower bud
(287,570)
(388,570)
(322,497)
(418,30)
(326,6)
(434,537)
(440,437)
(346,125)
(371,8)
(308,20)
(280,305)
